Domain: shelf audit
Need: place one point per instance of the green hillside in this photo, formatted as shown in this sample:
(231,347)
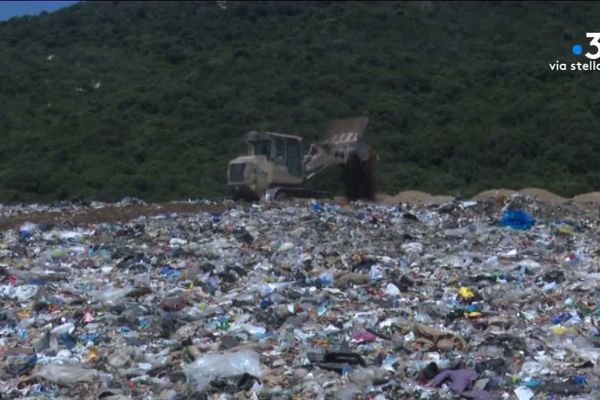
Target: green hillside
(104,100)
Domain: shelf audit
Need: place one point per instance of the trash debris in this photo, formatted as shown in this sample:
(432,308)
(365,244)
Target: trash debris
(431,339)
(66,374)
(517,219)
(336,361)
(215,366)
(300,299)
(524,393)
(363,337)
(461,381)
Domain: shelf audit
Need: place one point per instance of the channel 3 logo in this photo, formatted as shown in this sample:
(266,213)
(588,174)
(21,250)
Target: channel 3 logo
(577,49)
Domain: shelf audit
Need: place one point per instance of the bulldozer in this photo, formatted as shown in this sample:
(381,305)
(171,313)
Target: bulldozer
(276,165)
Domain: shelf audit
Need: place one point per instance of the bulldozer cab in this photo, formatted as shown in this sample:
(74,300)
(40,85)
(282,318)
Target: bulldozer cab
(283,152)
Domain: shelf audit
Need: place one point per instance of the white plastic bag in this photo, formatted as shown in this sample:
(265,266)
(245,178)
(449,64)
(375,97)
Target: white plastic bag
(222,365)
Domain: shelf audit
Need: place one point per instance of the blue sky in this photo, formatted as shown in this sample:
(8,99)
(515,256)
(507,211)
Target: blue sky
(9,9)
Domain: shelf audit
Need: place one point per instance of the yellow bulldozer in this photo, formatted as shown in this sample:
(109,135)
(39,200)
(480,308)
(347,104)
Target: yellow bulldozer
(276,166)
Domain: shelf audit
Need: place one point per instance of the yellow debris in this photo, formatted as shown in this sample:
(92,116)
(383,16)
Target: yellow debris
(93,354)
(564,229)
(466,293)
(561,330)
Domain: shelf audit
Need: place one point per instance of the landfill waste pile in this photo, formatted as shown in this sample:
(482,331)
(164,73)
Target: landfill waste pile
(494,299)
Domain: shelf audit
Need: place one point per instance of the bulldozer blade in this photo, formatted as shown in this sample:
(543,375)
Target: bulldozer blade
(345,131)
(343,138)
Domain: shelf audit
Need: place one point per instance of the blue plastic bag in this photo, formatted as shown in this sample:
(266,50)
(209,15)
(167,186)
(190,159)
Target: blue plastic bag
(316,206)
(517,219)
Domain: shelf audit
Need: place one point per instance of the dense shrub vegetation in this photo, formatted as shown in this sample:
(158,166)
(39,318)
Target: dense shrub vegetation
(104,100)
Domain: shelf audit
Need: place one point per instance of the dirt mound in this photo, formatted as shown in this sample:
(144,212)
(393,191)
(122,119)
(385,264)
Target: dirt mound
(494,194)
(543,195)
(386,199)
(592,197)
(537,193)
(417,197)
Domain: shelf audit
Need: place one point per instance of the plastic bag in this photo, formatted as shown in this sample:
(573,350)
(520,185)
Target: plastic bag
(66,374)
(111,295)
(20,293)
(222,365)
(27,230)
(517,219)
(315,206)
